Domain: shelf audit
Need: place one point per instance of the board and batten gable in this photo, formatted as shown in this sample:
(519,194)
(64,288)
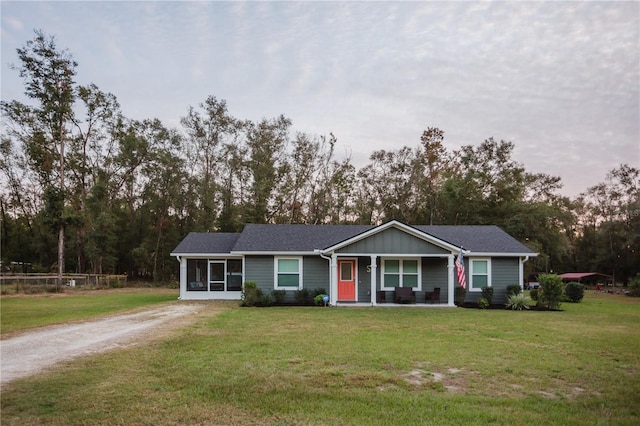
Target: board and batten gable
(393,241)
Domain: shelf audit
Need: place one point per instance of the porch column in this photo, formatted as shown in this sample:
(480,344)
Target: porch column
(374,284)
(183,276)
(333,280)
(450,293)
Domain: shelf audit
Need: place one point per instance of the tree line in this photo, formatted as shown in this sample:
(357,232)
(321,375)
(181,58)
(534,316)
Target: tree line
(86,189)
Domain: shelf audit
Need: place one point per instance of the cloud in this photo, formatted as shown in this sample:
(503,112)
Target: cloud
(559,79)
(15,23)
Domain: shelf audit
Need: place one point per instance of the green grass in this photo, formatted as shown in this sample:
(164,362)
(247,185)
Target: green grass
(19,313)
(345,366)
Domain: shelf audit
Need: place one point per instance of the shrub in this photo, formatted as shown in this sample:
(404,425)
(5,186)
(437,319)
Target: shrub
(550,292)
(319,299)
(534,294)
(317,291)
(574,292)
(278,297)
(459,295)
(518,302)
(487,293)
(251,294)
(304,297)
(634,287)
(265,299)
(513,289)
(483,303)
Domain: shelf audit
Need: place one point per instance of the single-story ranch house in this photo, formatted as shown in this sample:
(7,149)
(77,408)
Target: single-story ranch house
(355,264)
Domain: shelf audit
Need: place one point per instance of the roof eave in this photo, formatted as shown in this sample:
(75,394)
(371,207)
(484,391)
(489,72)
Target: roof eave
(176,254)
(274,253)
(500,254)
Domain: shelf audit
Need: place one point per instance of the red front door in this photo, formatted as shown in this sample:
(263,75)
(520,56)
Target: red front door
(347,279)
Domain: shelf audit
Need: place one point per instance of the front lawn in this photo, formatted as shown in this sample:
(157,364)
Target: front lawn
(22,312)
(335,366)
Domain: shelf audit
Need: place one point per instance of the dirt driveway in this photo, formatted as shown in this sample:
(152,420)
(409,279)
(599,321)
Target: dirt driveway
(34,351)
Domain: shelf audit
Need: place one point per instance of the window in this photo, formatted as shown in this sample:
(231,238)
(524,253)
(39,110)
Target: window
(401,273)
(480,274)
(346,271)
(288,273)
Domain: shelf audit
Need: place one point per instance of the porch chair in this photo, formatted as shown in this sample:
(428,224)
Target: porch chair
(404,295)
(432,296)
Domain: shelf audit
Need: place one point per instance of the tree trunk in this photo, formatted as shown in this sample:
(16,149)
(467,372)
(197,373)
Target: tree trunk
(60,254)
(155,255)
(61,225)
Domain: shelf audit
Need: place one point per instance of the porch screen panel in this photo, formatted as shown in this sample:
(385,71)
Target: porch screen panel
(196,274)
(216,276)
(234,275)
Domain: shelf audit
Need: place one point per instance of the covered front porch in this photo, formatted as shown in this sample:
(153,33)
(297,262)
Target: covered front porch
(392,280)
(375,266)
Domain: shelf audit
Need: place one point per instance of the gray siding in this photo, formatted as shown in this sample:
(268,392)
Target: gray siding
(315,273)
(504,271)
(434,274)
(363,286)
(392,241)
(260,270)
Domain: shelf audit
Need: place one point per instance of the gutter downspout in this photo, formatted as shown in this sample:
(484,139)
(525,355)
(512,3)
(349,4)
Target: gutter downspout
(183,275)
(330,272)
(523,261)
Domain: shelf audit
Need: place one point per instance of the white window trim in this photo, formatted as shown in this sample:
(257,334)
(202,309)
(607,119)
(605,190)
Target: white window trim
(401,259)
(275,272)
(471,262)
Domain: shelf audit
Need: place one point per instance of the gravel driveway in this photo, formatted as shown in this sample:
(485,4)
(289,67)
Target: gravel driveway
(33,351)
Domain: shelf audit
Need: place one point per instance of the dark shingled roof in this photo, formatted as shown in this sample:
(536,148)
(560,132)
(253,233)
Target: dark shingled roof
(477,238)
(295,237)
(307,238)
(199,242)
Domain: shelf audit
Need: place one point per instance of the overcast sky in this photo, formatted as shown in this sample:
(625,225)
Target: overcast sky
(558,79)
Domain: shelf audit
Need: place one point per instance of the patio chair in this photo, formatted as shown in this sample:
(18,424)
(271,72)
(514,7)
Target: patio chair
(404,295)
(432,296)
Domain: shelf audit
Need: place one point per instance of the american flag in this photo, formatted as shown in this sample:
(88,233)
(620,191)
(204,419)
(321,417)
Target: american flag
(460,269)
